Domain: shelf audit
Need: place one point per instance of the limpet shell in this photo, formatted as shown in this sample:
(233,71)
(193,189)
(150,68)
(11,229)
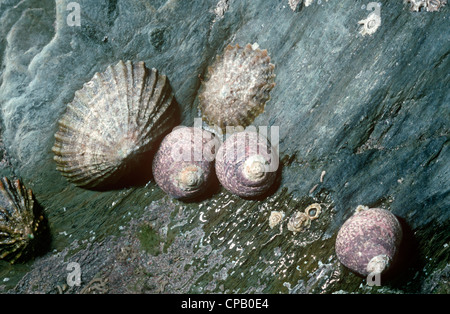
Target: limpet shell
(18,222)
(243,164)
(112,122)
(183,166)
(237,87)
(368,241)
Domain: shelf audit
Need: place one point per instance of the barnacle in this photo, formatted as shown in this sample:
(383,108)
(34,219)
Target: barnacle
(370,24)
(298,222)
(313,211)
(275,218)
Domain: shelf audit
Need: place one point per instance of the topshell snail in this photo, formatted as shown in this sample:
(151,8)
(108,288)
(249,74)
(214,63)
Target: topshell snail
(184,164)
(18,222)
(246,164)
(237,86)
(367,242)
(114,120)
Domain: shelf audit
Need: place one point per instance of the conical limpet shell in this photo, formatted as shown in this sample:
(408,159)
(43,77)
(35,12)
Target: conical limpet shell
(18,222)
(243,164)
(183,166)
(117,117)
(237,87)
(368,241)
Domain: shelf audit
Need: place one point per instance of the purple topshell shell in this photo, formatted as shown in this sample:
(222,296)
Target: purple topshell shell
(184,163)
(245,164)
(367,242)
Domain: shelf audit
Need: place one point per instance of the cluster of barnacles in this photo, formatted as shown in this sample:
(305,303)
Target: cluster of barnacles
(429,5)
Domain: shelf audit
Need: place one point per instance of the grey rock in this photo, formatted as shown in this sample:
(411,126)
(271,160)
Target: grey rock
(371,111)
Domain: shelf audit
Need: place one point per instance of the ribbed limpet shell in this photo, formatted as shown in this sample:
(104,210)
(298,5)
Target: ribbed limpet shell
(368,241)
(113,121)
(243,164)
(183,166)
(237,87)
(18,222)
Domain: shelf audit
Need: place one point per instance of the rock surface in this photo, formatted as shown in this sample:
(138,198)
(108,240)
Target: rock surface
(362,120)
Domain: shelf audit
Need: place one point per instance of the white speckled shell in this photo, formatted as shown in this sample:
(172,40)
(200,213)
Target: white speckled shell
(237,87)
(116,117)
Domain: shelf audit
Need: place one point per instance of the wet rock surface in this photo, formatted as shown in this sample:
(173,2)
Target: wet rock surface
(362,120)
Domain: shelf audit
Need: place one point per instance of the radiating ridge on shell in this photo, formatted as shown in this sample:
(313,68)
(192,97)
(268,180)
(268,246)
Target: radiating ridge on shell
(237,87)
(18,223)
(116,117)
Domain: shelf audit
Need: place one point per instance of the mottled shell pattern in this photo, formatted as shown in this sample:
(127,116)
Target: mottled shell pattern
(237,87)
(18,223)
(368,241)
(243,164)
(183,166)
(116,117)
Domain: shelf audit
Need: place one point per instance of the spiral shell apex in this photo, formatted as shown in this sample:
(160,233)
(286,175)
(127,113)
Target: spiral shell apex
(237,87)
(183,166)
(113,120)
(18,223)
(246,164)
(367,242)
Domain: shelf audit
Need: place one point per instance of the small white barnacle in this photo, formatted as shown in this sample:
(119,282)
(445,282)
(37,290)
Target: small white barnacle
(313,211)
(435,5)
(370,24)
(298,222)
(275,218)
